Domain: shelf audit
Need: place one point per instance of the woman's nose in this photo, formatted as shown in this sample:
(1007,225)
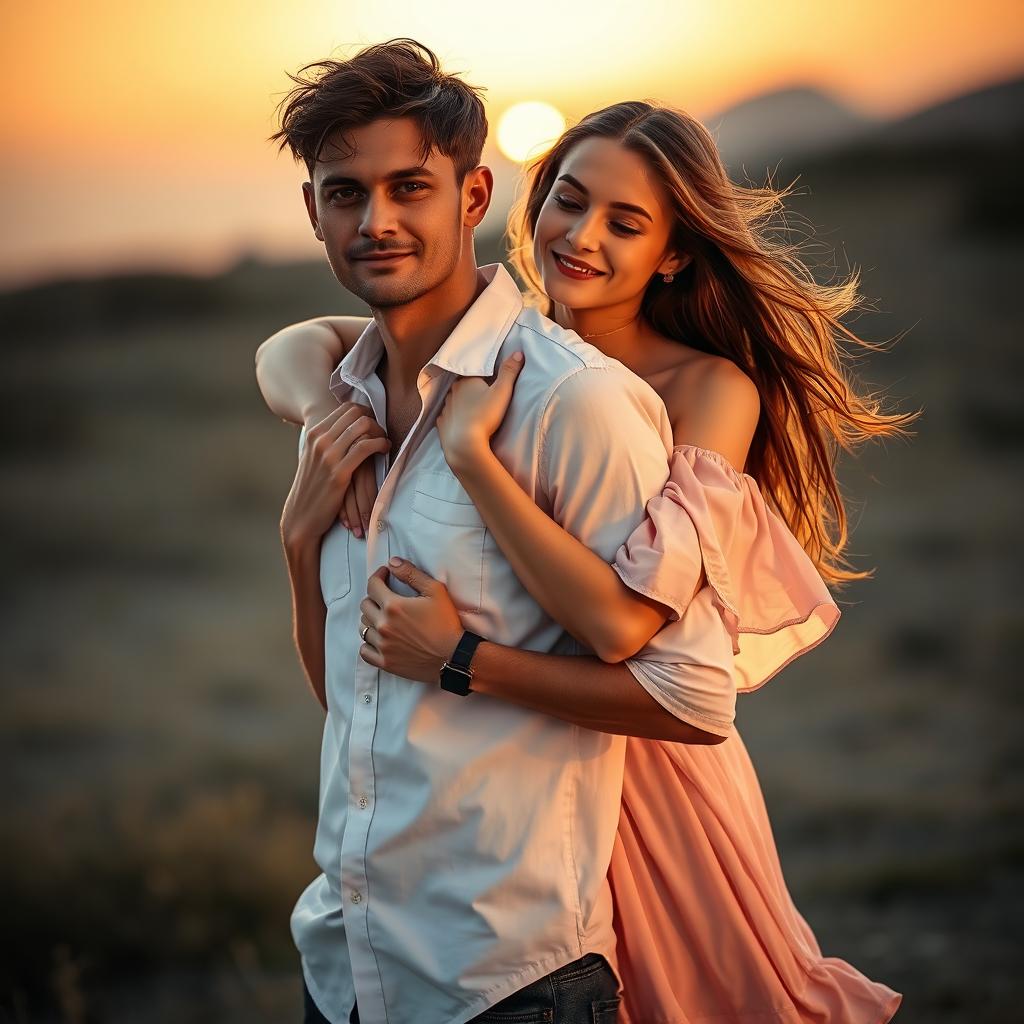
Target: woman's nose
(582,236)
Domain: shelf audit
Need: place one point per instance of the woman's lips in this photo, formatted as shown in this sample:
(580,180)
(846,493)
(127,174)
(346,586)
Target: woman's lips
(572,272)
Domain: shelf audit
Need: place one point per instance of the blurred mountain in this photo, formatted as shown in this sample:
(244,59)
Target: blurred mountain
(991,114)
(788,122)
(804,122)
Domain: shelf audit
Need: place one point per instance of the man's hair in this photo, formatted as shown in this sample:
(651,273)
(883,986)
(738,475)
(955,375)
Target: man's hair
(399,78)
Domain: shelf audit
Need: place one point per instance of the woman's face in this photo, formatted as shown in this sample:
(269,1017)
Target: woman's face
(610,218)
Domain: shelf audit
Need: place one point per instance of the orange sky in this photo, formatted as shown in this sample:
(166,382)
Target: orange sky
(134,133)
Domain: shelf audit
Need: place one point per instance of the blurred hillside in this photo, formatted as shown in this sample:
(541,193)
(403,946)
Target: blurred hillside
(160,744)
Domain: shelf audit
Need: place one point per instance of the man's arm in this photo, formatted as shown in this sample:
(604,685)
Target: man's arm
(585,691)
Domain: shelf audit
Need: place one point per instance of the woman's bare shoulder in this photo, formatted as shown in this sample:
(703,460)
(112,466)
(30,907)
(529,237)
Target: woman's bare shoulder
(715,405)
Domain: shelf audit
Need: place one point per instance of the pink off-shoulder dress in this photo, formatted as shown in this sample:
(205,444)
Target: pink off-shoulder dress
(706,930)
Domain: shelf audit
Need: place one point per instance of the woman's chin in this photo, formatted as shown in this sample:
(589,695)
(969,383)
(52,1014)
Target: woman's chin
(571,297)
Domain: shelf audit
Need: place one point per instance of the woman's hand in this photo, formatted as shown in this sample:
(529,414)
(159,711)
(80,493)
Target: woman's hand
(411,637)
(473,411)
(362,492)
(334,447)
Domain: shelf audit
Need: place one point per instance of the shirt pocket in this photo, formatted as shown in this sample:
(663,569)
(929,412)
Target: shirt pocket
(451,537)
(335,575)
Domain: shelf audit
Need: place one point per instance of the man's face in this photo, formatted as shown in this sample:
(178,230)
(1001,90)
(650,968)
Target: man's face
(392,224)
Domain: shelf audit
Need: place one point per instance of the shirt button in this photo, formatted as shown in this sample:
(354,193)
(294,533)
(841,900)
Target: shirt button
(356,895)
(381,525)
(363,801)
(367,698)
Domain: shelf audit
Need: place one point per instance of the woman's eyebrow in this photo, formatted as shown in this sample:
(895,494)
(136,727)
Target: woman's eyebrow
(618,206)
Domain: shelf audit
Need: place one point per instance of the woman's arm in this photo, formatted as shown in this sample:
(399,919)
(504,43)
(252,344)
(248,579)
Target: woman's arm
(569,581)
(294,365)
(573,585)
(309,613)
(412,637)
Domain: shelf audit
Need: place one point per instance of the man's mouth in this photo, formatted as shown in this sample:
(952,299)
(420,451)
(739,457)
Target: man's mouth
(575,268)
(382,257)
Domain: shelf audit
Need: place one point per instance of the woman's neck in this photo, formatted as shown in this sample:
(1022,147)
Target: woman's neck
(619,332)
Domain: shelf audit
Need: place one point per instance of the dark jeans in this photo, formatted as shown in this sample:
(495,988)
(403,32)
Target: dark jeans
(582,992)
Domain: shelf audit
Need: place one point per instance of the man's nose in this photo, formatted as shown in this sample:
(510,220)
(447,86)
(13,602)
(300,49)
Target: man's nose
(378,218)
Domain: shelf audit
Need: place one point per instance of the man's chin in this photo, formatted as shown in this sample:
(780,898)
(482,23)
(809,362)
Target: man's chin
(386,293)
(388,297)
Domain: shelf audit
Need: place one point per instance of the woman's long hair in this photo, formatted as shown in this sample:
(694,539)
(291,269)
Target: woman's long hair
(747,296)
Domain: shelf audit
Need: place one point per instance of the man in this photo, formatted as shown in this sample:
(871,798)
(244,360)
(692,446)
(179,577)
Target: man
(463,839)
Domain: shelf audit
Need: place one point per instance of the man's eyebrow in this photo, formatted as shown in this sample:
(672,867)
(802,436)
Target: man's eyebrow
(618,206)
(406,172)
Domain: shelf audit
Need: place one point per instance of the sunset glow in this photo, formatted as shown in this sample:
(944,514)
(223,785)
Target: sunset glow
(527,129)
(137,132)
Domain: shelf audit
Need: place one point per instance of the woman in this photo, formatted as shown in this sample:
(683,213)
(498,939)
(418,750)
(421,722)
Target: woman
(631,234)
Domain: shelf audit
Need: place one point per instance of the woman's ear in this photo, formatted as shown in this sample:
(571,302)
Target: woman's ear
(674,263)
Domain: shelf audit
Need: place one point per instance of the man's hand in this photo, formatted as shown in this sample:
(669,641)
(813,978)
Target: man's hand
(410,637)
(335,447)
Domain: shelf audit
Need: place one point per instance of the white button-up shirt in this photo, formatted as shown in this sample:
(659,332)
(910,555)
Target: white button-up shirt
(464,841)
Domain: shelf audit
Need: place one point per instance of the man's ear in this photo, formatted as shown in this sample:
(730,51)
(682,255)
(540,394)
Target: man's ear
(310,200)
(477,190)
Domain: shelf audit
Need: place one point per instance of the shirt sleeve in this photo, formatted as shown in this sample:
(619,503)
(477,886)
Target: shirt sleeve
(605,448)
(603,454)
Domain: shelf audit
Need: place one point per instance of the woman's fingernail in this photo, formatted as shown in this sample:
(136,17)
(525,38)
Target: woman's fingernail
(358,532)
(517,357)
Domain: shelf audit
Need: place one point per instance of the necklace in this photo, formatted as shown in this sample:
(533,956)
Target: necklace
(604,334)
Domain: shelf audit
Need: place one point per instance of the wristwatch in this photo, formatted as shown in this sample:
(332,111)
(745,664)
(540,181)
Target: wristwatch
(455,672)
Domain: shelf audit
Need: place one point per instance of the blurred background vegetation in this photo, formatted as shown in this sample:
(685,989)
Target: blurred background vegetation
(161,747)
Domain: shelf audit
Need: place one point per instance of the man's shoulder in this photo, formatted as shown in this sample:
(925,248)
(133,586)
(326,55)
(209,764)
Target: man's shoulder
(556,355)
(569,388)
(555,345)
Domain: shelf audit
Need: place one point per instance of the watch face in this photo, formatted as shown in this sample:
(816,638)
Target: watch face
(455,680)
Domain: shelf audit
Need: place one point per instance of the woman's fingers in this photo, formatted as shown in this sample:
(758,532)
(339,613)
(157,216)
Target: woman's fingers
(364,483)
(361,450)
(350,510)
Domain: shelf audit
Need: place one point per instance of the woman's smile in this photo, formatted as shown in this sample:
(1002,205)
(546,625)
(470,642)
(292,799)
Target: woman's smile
(576,269)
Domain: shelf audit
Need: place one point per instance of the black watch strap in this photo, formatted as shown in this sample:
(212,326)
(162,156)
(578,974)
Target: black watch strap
(456,673)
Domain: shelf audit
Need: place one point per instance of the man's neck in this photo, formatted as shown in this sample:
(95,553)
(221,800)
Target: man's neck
(413,333)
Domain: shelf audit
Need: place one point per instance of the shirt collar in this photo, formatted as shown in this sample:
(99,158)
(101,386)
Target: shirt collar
(471,350)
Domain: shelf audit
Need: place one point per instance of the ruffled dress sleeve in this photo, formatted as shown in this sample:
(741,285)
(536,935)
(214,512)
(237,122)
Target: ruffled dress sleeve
(773,602)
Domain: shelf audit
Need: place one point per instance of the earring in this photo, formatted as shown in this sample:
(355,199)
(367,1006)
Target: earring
(668,278)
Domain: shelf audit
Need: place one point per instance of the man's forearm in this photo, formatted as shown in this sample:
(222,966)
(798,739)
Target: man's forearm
(309,613)
(584,690)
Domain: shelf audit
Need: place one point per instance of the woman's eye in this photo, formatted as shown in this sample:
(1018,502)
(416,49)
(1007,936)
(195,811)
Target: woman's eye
(565,204)
(625,229)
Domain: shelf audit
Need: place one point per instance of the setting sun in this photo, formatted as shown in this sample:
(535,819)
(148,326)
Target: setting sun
(527,129)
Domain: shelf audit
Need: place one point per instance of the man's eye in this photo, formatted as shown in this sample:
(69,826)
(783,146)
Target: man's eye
(343,193)
(416,186)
